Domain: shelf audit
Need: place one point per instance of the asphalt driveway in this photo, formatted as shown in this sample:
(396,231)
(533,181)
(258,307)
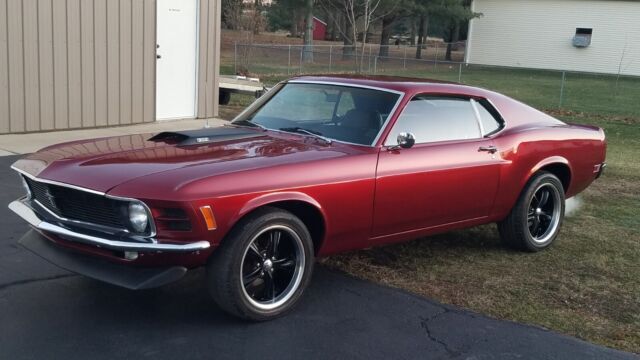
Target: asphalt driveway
(47,313)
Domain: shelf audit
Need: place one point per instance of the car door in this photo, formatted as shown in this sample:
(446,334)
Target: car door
(450,175)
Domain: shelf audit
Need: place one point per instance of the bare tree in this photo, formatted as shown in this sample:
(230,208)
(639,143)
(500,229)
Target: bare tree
(257,23)
(370,7)
(232,14)
(359,15)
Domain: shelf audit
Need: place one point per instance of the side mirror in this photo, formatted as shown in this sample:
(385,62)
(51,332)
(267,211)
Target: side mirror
(406,140)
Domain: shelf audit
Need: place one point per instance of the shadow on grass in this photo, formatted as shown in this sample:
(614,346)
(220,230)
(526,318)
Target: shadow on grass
(475,242)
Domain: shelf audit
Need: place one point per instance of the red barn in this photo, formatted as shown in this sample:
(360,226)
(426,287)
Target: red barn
(319,29)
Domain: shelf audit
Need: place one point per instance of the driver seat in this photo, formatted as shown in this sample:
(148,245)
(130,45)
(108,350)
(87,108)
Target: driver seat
(364,125)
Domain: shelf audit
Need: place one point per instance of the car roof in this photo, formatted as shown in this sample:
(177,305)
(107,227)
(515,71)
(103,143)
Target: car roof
(396,83)
(514,112)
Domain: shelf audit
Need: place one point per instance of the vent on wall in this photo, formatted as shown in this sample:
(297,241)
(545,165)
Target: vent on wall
(582,39)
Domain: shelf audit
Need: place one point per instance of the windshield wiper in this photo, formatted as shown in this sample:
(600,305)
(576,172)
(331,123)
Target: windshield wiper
(315,134)
(247,123)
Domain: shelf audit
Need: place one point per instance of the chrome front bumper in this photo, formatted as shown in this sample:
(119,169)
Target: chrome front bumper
(25,212)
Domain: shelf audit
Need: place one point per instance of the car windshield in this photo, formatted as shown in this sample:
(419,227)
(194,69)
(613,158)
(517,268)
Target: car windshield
(349,114)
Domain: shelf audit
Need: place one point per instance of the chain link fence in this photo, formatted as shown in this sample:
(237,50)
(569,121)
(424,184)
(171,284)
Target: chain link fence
(545,89)
(296,59)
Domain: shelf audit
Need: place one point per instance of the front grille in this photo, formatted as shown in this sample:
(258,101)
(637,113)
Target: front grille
(79,205)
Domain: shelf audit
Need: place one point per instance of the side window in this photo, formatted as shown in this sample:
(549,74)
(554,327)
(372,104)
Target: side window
(432,119)
(489,122)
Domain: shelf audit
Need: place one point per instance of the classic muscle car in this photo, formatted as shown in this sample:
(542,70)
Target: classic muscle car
(317,165)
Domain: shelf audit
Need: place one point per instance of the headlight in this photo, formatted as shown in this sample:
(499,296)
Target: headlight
(138,217)
(26,187)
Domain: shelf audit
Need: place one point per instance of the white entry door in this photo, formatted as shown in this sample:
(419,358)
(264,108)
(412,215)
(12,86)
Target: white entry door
(176,72)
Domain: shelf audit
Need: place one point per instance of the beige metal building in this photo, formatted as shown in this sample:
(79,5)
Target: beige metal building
(67,64)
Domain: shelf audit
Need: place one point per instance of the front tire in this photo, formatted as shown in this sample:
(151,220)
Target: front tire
(534,222)
(263,266)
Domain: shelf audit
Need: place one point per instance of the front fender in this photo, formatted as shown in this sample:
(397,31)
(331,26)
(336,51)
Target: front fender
(271,198)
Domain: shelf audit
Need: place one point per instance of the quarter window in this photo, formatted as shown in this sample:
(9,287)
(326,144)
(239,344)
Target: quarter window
(433,119)
(489,122)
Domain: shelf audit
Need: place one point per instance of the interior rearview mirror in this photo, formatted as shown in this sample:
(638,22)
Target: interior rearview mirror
(406,140)
(329,97)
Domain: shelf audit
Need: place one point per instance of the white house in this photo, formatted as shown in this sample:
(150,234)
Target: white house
(600,36)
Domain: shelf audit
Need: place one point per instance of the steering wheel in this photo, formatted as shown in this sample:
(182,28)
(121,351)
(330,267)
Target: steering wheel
(335,121)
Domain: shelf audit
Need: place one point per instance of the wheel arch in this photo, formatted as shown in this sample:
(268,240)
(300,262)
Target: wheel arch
(306,208)
(558,166)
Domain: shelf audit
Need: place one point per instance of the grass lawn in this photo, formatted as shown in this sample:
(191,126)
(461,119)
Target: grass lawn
(588,283)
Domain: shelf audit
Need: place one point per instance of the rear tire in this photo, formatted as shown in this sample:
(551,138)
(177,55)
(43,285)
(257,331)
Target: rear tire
(535,221)
(263,266)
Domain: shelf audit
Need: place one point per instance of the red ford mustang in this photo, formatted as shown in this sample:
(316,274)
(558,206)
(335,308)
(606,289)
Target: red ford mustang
(316,166)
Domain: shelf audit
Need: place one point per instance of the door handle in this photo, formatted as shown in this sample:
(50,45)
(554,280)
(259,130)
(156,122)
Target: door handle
(490,149)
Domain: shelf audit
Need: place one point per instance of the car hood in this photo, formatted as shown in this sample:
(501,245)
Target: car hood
(102,164)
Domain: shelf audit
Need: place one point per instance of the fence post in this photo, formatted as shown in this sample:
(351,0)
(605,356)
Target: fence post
(375,65)
(235,58)
(564,73)
(289,62)
(301,51)
(435,63)
(404,59)
(460,73)
(369,60)
(330,55)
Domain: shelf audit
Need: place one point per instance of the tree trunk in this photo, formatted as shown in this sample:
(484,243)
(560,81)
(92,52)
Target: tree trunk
(294,24)
(348,44)
(256,16)
(331,24)
(412,41)
(425,32)
(455,35)
(337,25)
(420,37)
(307,55)
(387,21)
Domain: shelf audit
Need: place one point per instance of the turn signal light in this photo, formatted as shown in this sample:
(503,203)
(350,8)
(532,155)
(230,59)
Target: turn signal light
(207,213)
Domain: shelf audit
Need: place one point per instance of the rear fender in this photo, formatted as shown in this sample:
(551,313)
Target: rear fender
(546,162)
(514,193)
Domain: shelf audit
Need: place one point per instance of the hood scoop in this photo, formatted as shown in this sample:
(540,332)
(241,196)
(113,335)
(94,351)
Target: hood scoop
(204,136)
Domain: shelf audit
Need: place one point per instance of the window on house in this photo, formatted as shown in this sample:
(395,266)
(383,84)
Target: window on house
(582,37)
